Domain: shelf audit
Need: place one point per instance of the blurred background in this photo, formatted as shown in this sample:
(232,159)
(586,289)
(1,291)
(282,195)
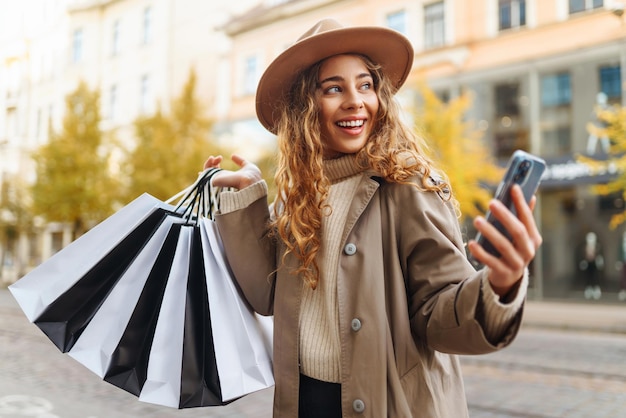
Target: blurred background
(101,101)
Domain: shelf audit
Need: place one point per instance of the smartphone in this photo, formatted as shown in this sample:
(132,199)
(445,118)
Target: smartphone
(524,169)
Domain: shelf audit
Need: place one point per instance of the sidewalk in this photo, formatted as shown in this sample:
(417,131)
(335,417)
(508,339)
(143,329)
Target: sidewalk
(579,316)
(575,316)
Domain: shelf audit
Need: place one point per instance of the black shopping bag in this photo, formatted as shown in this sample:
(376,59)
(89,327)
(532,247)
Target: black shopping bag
(138,310)
(88,265)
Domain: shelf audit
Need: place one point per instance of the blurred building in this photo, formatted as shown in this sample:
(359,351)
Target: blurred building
(535,69)
(137,53)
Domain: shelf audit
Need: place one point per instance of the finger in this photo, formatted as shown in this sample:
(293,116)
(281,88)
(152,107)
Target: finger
(525,215)
(501,274)
(496,238)
(480,254)
(515,252)
(505,271)
(213,161)
(225,178)
(237,159)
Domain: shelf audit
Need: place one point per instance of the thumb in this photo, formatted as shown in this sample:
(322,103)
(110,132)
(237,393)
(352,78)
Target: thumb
(224,178)
(239,160)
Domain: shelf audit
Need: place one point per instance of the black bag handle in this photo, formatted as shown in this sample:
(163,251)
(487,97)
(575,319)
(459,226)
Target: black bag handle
(201,199)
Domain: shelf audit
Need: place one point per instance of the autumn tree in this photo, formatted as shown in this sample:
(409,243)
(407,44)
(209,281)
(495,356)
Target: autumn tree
(458,149)
(15,218)
(614,128)
(170,148)
(74,184)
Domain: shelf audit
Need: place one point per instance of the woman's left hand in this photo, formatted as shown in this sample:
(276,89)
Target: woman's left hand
(506,271)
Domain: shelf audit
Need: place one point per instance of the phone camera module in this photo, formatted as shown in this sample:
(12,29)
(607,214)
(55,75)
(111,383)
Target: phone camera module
(521,172)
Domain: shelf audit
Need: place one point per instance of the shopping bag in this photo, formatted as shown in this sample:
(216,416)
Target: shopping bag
(194,381)
(61,294)
(243,364)
(100,338)
(127,367)
(136,309)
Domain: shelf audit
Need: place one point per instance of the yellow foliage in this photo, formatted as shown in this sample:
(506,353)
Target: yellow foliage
(170,148)
(458,149)
(74,183)
(615,129)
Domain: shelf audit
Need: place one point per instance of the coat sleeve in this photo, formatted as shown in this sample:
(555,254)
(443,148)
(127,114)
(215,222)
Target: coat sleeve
(444,290)
(250,250)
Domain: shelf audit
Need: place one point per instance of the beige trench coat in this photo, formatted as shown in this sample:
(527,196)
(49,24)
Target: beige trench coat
(408,302)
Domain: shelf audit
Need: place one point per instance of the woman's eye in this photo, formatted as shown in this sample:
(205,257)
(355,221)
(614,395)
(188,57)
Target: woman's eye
(366,86)
(333,89)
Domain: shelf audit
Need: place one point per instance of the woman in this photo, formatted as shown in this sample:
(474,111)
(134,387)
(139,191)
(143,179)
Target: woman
(360,259)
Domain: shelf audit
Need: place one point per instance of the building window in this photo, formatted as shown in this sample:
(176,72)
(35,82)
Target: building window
(511,13)
(576,6)
(144,95)
(506,99)
(611,83)
(397,21)
(112,102)
(509,131)
(11,123)
(115,40)
(77,45)
(556,142)
(556,90)
(13,80)
(434,25)
(556,115)
(250,71)
(147,25)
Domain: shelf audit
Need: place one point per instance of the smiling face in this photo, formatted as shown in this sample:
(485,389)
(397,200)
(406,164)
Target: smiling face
(348,104)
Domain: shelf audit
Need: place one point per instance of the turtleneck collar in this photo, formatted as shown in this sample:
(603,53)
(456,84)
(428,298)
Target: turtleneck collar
(340,168)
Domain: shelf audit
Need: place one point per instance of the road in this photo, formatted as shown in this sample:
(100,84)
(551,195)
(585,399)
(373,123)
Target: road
(545,373)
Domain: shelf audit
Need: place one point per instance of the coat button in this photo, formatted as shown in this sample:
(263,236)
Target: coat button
(350,249)
(358,406)
(355,324)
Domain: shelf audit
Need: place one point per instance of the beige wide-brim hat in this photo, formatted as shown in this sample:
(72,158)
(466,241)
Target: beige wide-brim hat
(327,38)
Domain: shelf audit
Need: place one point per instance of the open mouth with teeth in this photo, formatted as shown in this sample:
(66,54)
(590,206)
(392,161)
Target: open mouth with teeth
(350,123)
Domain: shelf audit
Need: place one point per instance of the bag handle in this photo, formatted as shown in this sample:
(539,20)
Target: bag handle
(200,199)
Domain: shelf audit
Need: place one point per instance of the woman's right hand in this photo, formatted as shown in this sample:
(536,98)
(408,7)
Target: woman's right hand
(248,173)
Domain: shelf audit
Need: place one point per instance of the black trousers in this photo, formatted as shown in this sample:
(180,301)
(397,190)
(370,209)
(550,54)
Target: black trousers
(319,399)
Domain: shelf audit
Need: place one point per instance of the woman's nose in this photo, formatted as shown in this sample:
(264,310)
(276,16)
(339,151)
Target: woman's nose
(352,100)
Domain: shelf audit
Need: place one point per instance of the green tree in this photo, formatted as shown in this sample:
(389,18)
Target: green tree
(458,149)
(74,184)
(614,119)
(170,149)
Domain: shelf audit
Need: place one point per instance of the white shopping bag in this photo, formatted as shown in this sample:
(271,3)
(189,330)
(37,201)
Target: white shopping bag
(244,358)
(146,301)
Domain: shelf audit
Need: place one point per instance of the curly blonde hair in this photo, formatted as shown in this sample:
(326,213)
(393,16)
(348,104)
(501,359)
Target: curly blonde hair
(393,151)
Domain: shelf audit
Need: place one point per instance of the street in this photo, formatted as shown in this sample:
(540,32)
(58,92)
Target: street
(545,373)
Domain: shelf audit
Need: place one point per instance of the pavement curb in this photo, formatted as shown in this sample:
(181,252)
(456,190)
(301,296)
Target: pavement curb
(574,316)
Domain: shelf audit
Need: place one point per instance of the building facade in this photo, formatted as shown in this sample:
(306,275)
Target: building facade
(536,70)
(137,54)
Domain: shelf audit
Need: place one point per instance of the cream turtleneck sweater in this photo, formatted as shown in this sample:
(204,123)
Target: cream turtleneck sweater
(320,347)
(320,354)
